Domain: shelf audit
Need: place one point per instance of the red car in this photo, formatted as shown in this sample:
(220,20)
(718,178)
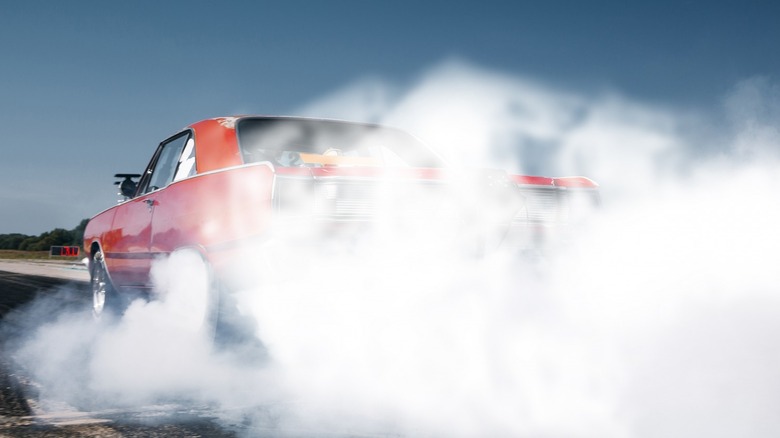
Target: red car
(223,182)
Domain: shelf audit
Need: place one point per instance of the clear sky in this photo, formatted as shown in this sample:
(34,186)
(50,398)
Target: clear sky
(88,88)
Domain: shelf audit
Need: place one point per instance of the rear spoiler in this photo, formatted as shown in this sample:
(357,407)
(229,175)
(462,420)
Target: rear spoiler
(567,181)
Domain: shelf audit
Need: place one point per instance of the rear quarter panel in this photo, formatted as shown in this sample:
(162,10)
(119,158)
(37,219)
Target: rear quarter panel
(214,211)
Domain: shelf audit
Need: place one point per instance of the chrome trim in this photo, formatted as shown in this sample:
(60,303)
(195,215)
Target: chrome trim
(225,169)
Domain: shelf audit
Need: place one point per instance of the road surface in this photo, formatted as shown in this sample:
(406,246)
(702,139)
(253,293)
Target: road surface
(21,414)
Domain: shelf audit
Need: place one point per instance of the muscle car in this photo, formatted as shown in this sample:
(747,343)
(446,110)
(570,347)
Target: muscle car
(224,182)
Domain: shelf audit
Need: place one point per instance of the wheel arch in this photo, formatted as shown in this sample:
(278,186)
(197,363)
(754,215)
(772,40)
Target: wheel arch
(93,248)
(200,249)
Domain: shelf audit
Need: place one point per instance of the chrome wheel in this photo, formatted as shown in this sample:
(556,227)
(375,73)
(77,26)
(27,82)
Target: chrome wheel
(100,285)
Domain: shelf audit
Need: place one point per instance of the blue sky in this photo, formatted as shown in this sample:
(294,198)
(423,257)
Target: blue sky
(88,88)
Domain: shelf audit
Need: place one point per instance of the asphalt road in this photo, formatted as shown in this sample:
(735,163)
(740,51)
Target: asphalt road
(21,414)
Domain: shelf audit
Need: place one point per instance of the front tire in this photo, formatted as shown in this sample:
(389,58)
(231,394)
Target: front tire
(104,298)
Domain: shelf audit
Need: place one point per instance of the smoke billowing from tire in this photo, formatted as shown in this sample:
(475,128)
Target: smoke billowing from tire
(658,318)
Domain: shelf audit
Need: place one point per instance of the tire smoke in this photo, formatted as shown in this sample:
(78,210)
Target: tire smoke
(657,317)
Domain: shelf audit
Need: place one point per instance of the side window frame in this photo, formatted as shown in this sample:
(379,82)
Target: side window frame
(143,183)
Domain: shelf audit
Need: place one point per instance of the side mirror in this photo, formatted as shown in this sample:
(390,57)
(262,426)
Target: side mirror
(127,186)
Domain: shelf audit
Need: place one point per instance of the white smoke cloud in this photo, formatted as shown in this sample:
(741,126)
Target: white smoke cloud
(657,319)
(477,117)
(753,109)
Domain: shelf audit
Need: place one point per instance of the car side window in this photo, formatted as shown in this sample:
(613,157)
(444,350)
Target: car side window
(186,166)
(169,159)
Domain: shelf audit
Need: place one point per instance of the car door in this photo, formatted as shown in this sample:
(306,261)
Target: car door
(130,258)
(174,206)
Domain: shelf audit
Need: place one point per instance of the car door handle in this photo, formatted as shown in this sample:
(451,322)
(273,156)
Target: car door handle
(149,203)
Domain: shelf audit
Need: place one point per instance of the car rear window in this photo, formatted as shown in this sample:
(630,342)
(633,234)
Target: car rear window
(315,143)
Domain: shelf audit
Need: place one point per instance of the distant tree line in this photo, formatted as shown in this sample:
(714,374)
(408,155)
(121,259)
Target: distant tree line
(42,242)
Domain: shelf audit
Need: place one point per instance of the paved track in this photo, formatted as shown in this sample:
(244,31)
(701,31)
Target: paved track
(17,289)
(20,415)
(62,270)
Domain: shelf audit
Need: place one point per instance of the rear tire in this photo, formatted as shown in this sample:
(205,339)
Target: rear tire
(192,293)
